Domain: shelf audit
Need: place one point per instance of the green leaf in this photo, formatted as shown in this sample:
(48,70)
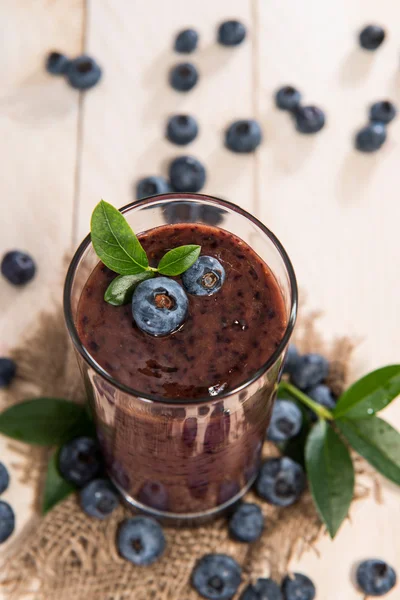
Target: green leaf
(121,288)
(369,394)
(43,421)
(178,260)
(114,241)
(55,487)
(331,475)
(377,442)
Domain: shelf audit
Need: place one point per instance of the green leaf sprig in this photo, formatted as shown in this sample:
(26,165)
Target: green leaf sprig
(120,250)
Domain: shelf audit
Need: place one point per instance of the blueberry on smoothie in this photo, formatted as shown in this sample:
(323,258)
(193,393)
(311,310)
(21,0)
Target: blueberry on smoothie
(205,277)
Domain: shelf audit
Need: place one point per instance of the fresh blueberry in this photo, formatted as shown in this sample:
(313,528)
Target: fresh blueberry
(243,136)
(322,394)
(217,577)
(231,33)
(187,174)
(309,119)
(292,356)
(186,41)
(18,267)
(383,111)
(205,277)
(375,577)
(182,129)
(140,540)
(309,370)
(99,498)
(298,587)
(7,521)
(4,478)
(371,37)
(263,589)
(287,98)
(371,138)
(57,63)
(149,186)
(159,306)
(83,72)
(8,370)
(246,523)
(285,422)
(183,77)
(154,494)
(281,481)
(80,461)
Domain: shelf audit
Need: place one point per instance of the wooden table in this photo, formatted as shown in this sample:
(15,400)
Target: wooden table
(336,211)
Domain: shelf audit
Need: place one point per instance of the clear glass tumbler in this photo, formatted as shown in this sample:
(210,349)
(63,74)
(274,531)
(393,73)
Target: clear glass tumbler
(183,459)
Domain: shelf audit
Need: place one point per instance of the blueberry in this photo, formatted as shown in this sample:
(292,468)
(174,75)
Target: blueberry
(243,136)
(286,421)
(309,370)
(154,494)
(186,41)
(83,72)
(149,186)
(371,138)
(8,370)
(159,306)
(383,111)
(263,589)
(231,33)
(99,498)
(246,523)
(205,277)
(217,577)
(371,37)
(281,481)
(298,587)
(323,395)
(309,119)
(80,461)
(18,267)
(183,77)
(287,98)
(375,577)
(187,174)
(4,478)
(182,129)
(7,521)
(57,63)
(140,540)
(292,356)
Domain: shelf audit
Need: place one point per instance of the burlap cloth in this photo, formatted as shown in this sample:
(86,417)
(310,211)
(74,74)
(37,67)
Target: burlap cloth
(69,556)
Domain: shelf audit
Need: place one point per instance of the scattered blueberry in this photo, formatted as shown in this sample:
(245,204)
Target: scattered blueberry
(149,186)
(309,119)
(18,267)
(99,498)
(205,277)
(159,306)
(8,370)
(154,494)
(375,577)
(7,521)
(298,587)
(140,540)
(286,421)
(183,77)
(246,523)
(187,174)
(217,577)
(80,461)
(281,481)
(383,111)
(371,138)
(4,478)
(186,41)
(323,395)
(243,136)
(263,589)
(57,63)
(371,37)
(287,98)
(182,129)
(291,359)
(231,33)
(309,370)
(83,72)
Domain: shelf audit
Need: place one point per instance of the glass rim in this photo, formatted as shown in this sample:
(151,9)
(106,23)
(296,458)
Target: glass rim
(84,245)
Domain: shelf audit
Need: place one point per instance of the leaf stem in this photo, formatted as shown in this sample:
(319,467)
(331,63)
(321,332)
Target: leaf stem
(319,410)
(155,269)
